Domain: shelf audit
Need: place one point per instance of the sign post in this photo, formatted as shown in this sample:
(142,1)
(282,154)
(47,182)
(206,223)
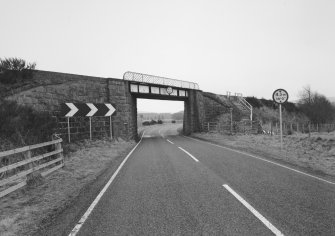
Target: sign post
(68,129)
(280,96)
(86,109)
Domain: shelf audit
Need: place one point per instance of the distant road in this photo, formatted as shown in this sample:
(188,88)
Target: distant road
(173,185)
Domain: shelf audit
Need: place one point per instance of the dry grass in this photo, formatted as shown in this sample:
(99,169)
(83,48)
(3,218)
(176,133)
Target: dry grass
(316,152)
(22,211)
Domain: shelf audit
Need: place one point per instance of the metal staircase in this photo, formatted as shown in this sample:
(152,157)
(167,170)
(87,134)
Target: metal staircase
(242,104)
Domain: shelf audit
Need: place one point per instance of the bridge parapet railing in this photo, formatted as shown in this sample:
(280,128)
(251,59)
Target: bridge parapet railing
(152,79)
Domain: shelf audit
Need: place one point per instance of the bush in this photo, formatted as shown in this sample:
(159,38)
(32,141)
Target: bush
(254,102)
(20,125)
(173,121)
(160,122)
(14,70)
(153,122)
(145,123)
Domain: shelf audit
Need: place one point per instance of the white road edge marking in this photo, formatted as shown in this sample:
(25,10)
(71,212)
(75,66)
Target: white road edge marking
(195,159)
(254,211)
(262,159)
(169,141)
(82,220)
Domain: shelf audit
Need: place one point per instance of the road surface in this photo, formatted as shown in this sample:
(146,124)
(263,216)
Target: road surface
(174,185)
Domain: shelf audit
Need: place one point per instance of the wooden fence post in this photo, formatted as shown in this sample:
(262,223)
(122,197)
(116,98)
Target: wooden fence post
(58,146)
(27,155)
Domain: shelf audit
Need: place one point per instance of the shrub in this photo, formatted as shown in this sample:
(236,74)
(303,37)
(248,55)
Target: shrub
(20,125)
(153,122)
(146,123)
(13,70)
(160,122)
(173,121)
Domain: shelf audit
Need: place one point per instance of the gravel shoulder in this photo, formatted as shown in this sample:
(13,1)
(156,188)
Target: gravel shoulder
(87,166)
(315,154)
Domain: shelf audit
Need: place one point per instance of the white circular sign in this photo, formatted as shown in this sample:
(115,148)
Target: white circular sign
(169,90)
(280,96)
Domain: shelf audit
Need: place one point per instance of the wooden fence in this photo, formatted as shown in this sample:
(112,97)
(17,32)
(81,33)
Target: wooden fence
(17,166)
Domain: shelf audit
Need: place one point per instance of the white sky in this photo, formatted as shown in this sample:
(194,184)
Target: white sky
(247,46)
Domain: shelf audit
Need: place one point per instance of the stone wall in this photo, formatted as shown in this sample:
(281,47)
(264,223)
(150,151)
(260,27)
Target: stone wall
(48,90)
(194,112)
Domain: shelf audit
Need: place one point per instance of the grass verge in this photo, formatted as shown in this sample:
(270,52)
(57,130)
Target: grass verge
(316,153)
(24,211)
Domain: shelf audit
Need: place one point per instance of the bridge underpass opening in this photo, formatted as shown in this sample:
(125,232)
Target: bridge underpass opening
(166,113)
(142,86)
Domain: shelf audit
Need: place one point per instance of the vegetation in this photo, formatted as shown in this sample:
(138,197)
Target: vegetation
(15,70)
(266,111)
(152,122)
(20,125)
(178,115)
(316,106)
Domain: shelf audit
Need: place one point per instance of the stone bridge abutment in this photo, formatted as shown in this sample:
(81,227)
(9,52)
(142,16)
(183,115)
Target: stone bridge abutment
(46,91)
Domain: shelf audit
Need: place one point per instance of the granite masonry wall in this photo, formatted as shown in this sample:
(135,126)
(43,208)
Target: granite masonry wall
(47,90)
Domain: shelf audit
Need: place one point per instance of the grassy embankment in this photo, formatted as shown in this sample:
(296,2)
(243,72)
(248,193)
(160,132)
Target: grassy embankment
(316,153)
(24,211)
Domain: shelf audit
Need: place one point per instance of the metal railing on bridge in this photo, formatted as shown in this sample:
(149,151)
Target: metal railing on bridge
(152,79)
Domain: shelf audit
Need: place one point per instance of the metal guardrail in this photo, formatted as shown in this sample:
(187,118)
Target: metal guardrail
(152,79)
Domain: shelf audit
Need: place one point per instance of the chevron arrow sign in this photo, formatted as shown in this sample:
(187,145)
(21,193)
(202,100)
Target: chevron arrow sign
(86,109)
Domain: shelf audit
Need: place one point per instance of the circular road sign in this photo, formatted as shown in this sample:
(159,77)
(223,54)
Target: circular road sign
(280,96)
(169,90)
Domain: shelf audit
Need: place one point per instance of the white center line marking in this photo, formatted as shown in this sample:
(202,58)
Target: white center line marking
(254,211)
(262,159)
(76,229)
(195,159)
(169,141)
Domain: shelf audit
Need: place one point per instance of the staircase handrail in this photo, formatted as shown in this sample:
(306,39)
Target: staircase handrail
(245,103)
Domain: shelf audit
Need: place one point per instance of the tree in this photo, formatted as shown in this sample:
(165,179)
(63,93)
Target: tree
(178,115)
(13,70)
(316,106)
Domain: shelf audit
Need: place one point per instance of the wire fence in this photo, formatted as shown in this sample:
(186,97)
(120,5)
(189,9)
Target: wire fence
(290,128)
(235,127)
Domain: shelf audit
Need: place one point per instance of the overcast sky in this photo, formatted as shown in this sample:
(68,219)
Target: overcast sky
(247,46)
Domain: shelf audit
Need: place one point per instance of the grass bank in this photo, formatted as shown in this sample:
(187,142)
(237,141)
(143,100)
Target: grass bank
(316,153)
(24,211)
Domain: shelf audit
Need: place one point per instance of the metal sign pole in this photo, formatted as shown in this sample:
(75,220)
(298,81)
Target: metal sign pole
(110,127)
(231,120)
(281,128)
(280,96)
(90,128)
(68,129)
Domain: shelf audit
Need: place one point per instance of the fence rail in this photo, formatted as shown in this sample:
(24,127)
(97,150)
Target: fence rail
(290,127)
(240,127)
(17,166)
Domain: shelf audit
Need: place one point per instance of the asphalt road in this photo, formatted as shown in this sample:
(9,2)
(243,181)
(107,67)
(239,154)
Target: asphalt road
(173,185)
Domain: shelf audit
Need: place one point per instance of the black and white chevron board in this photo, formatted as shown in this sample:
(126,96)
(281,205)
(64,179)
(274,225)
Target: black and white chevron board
(86,109)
